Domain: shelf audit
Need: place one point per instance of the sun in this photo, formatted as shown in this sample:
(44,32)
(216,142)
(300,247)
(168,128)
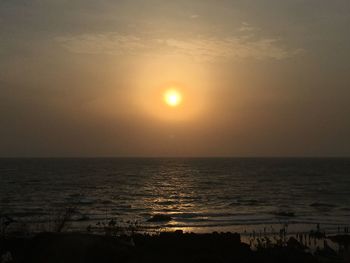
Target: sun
(172,97)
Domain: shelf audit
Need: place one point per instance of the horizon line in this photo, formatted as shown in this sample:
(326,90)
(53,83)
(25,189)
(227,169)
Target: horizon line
(175,157)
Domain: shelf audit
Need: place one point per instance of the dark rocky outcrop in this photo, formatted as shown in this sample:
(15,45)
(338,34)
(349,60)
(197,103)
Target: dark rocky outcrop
(160,218)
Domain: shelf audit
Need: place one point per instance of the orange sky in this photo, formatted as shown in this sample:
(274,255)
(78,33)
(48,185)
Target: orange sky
(87,78)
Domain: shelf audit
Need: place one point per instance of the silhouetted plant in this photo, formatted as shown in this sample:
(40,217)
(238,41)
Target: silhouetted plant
(62,219)
(5,222)
(119,228)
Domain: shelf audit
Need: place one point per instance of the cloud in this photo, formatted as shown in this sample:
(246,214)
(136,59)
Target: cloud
(110,43)
(201,49)
(246,27)
(230,48)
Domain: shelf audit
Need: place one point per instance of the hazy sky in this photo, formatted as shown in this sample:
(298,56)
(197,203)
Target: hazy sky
(259,78)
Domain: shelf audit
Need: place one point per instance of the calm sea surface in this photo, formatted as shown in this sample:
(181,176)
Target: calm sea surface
(199,194)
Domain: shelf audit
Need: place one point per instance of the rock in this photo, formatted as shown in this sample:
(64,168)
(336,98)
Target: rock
(179,232)
(285,214)
(160,218)
(295,244)
(340,239)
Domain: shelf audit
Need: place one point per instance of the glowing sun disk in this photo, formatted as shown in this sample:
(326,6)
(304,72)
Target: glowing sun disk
(172,97)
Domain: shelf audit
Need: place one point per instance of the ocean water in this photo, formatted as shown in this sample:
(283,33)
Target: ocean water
(200,195)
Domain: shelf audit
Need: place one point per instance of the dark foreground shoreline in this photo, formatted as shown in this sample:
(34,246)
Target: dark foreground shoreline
(165,247)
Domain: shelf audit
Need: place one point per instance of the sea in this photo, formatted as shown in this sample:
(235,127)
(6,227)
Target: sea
(192,194)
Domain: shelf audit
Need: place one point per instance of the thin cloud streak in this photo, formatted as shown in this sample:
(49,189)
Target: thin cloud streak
(199,48)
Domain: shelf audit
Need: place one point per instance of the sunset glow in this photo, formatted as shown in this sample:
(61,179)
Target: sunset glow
(174,78)
(132,130)
(172,97)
